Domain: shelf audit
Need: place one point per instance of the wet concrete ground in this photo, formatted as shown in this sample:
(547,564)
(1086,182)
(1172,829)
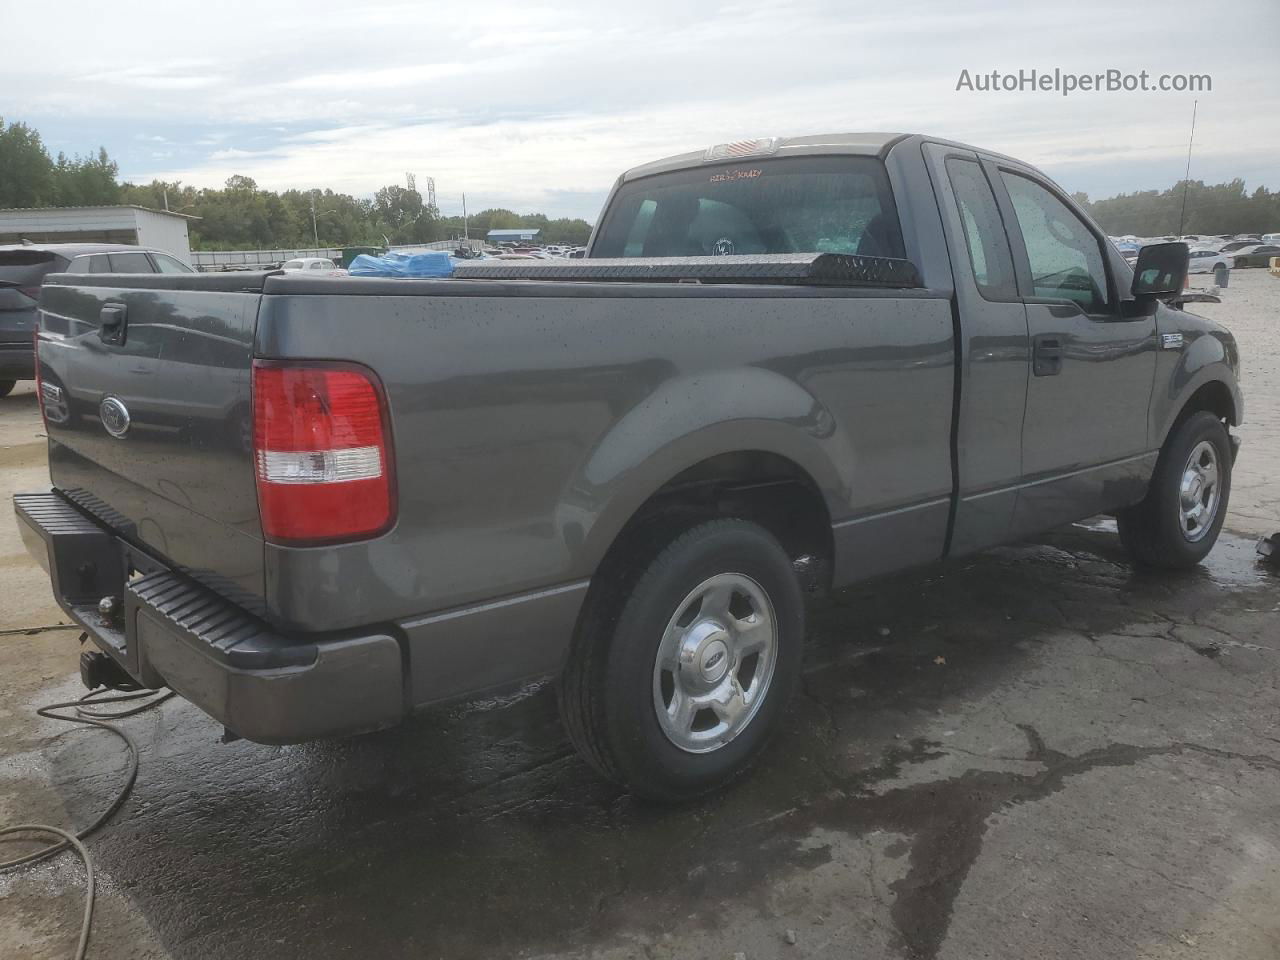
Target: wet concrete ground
(1035,752)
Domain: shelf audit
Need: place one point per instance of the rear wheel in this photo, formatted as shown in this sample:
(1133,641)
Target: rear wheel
(685,664)
(1178,523)
(6,387)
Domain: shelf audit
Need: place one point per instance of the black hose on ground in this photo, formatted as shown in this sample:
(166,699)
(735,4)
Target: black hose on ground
(65,839)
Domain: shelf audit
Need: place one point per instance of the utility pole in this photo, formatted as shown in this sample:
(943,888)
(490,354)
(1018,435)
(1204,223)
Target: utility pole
(315,230)
(465,235)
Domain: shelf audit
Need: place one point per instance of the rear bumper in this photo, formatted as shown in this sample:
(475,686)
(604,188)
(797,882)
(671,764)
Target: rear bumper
(17,361)
(170,631)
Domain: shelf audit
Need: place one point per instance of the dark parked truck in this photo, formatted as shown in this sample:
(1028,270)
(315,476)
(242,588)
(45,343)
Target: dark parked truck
(313,506)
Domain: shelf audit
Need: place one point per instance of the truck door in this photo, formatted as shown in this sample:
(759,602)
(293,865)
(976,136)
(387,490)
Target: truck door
(994,349)
(1084,438)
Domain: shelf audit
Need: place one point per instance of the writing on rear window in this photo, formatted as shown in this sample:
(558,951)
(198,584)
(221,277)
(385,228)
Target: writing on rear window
(726,176)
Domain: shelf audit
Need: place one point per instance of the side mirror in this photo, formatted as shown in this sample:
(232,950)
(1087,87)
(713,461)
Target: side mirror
(1161,270)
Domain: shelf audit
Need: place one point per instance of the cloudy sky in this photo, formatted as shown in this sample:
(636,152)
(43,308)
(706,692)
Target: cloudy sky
(538,106)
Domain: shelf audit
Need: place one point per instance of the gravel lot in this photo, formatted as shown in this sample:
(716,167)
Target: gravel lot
(1036,752)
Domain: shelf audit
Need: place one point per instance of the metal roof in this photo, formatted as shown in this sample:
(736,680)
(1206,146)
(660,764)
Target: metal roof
(517,232)
(100,206)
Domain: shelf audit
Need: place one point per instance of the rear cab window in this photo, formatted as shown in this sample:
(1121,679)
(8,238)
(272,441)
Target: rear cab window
(827,204)
(21,274)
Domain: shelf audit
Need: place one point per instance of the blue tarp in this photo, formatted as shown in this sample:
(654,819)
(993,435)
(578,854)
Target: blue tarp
(433,263)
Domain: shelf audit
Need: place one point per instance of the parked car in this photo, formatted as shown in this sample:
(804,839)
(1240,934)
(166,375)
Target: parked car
(23,268)
(1203,260)
(625,472)
(320,266)
(1231,246)
(1271,238)
(1256,255)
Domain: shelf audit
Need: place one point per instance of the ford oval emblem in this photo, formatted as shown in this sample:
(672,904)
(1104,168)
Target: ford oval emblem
(115,416)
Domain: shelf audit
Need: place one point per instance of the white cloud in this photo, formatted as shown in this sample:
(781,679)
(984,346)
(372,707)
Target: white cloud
(545,103)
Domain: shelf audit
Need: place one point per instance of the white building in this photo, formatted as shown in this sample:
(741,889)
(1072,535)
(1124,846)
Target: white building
(156,229)
(517,235)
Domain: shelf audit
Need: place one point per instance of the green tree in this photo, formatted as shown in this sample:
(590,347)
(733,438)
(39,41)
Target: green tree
(397,207)
(86,181)
(26,172)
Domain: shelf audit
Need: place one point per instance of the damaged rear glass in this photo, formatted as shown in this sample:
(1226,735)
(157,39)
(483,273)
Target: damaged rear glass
(837,204)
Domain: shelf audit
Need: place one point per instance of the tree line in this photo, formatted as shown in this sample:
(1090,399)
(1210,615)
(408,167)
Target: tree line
(1209,209)
(243,216)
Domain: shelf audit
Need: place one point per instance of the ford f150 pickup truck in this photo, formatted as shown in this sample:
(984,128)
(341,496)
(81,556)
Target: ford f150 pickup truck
(314,505)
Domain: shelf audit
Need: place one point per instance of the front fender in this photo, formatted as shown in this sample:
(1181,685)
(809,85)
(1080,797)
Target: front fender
(686,421)
(1208,355)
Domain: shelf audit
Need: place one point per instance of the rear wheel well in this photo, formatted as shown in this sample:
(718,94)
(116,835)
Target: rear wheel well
(753,485)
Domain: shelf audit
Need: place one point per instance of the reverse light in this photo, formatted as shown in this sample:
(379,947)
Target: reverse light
(322,452)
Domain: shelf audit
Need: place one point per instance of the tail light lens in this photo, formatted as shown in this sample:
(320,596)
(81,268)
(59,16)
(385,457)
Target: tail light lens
(32,292)
(322,452)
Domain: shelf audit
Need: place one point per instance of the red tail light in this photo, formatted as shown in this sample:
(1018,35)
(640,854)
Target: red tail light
(322,452)
(32,292)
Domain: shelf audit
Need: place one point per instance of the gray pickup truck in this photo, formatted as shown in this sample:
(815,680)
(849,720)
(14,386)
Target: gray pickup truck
(313,506)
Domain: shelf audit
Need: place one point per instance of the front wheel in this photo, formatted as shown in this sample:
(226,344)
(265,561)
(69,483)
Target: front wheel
(1178,523)
(684,666)
(6,387)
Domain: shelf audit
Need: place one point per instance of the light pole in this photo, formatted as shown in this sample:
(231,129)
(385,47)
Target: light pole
(315,229)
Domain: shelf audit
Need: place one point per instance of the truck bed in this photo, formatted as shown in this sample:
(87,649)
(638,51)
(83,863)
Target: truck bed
(529,417)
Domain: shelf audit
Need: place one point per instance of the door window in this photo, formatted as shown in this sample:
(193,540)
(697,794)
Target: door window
(983,230)
(167,264)
(130,263)
(1064,256)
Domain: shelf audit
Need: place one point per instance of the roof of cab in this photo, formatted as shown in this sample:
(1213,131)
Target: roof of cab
(857,144)
(848,144)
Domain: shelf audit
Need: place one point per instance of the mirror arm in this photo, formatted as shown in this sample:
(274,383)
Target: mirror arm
(1139,306)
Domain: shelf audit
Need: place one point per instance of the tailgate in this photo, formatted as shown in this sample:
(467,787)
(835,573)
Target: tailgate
(146,388)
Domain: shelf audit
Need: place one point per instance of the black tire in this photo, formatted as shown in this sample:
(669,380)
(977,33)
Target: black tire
(606,692)
(6,387)
(1153,531)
